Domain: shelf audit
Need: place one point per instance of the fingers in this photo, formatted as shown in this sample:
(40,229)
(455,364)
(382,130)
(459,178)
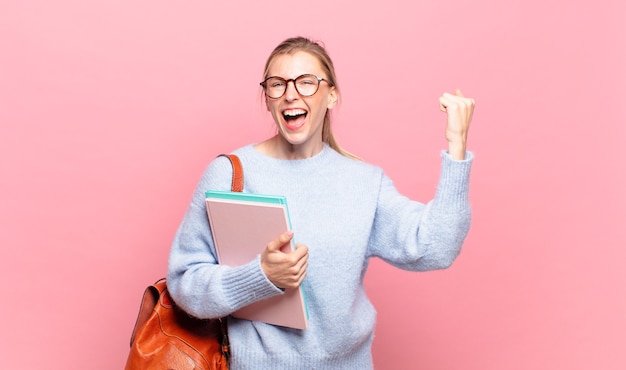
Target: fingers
(297,272)
(446,100)
(277,244)
(284,267)
(299,261)
(457,101)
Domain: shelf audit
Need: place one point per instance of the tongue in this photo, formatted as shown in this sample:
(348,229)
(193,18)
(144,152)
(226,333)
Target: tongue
(294,123)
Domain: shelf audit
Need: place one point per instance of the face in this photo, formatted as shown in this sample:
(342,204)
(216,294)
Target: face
(300,119)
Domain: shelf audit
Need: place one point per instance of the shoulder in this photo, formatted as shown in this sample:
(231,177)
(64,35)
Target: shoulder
(221,162)
(355,170)
(219,171)
(357,164)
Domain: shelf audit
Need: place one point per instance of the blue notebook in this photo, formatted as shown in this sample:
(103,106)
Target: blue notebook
(242,224)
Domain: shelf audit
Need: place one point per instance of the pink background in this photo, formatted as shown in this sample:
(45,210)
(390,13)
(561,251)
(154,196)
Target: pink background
(110,110)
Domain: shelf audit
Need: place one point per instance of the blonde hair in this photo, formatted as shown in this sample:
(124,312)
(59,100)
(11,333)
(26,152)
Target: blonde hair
(295,44)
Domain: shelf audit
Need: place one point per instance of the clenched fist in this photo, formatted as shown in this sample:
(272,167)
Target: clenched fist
(459,110)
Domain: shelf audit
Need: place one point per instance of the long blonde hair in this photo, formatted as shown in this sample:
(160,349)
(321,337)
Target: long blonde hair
(295,44)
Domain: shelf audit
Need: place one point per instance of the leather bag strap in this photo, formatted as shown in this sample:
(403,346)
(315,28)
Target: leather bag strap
(237,182)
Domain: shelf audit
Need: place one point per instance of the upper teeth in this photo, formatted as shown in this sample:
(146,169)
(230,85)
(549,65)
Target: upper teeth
(294,112)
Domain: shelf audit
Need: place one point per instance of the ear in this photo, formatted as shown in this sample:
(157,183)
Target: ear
(333,96)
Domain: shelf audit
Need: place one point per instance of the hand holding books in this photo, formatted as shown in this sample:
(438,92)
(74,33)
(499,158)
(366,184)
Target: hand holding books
(282,266)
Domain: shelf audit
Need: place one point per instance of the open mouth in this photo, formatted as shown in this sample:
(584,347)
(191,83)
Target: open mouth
(294,114)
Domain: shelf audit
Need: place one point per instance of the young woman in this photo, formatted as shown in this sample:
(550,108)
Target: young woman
(343,212)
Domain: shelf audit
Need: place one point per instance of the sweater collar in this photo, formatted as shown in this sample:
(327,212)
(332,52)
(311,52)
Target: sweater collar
(311,163)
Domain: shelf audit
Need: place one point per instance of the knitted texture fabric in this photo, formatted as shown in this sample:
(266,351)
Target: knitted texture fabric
(346,212)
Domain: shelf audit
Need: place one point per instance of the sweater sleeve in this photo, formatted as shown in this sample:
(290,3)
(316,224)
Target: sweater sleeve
(420,237)
(195,281)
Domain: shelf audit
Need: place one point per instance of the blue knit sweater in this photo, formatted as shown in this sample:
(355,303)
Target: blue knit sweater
(346,211)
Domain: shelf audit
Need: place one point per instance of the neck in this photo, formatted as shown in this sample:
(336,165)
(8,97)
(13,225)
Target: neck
(278,147)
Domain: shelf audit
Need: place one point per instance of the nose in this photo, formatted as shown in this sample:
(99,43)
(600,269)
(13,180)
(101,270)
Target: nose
(291,93)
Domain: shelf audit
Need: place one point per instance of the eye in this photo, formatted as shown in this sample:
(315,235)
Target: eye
(307,80)
(274,82)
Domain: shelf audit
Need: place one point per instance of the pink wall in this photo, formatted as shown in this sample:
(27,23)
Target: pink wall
(110,110)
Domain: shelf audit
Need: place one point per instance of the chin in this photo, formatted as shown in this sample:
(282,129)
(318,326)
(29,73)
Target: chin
(291,139)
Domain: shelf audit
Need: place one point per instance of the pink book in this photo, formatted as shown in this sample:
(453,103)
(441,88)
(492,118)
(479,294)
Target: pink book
(242,224)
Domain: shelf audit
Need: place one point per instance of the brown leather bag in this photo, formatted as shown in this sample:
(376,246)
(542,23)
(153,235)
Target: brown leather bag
(165,337)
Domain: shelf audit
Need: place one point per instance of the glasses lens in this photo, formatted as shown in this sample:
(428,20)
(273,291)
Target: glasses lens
(307,85)
(275,87)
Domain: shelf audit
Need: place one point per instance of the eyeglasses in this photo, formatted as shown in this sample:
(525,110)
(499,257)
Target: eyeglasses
(306,85)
